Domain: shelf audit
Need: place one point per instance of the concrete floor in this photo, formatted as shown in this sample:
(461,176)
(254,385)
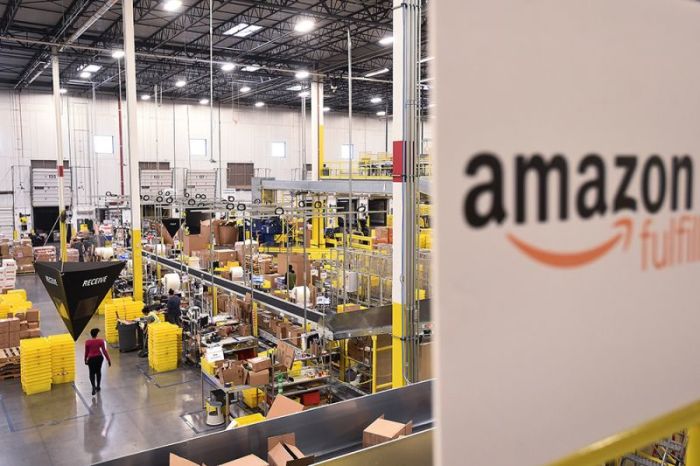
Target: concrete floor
(135,410)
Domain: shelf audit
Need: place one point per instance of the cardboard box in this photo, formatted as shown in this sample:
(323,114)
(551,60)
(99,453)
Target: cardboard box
(32,315)
(228,234)
(250,460)
(294,335)
(4,326)
(232,372)
(285,453)
(256,379)
(179,461)
(31,325)
(259,364)
(23,326)
(382,430)
(283,406)
(244,330)
(286,354)
(33,333)
(20,315)
(23,334)
(14,338)
(5,340)
(14,324)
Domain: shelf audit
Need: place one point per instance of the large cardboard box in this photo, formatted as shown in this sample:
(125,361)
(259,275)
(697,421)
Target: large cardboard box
(259,364)
(283,406)
(282,451)
(228,233)
(231,372)
(382,430)
(4,340)
(14,338)
(286,354)
(14,324)
(4,326)
(250,460)
(32,315)
(33,333)
(256,379)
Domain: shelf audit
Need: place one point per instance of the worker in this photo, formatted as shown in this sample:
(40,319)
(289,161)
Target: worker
(172,312)
(80,247)
(291,278)
(95,349)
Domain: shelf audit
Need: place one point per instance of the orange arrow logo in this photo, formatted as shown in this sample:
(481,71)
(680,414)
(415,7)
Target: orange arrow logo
(579,258)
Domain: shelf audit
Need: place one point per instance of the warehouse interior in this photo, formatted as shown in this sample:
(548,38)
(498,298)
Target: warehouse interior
(236,195)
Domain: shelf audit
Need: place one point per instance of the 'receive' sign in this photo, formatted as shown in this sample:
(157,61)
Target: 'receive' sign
(568,222)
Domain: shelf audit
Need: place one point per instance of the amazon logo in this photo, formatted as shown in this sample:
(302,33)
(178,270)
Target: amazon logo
(552,189)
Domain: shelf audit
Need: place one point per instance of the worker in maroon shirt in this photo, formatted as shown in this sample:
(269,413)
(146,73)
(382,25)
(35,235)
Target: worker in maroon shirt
(94,349)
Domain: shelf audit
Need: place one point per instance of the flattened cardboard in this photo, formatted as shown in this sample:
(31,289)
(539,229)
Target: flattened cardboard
(249,460)
(283,406)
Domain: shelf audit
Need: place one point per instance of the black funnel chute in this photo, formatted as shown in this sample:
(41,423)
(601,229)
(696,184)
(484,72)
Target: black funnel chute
(77,289)
(172,225)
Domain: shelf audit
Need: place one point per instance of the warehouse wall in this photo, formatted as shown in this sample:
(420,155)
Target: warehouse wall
(246,135)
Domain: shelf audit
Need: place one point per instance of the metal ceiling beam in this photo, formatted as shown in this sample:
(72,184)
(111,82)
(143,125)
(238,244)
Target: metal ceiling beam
(74,11)
(9,15)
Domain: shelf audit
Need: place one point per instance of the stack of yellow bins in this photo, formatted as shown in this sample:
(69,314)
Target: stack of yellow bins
(62,358)
(35,365)
(120,308)
(163,343)
(14,301)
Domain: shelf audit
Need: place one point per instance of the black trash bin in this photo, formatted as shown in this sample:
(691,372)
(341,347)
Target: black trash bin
(128,340)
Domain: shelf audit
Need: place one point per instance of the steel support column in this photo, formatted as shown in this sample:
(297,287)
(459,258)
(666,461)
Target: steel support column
(133,146)
(59,153)
(317,129)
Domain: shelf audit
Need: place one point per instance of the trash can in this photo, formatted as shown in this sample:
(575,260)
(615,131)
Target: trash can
(128,340)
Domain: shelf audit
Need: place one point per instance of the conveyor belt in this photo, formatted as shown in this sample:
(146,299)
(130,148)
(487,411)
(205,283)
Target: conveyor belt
(374,321)
(639,461)
(269,300)
(326,432)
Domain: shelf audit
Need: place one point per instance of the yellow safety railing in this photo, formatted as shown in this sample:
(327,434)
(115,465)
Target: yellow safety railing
(618,445)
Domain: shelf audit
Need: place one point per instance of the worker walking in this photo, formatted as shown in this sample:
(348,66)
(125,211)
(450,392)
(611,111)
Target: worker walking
(172,313)
(95,353)
(291,278)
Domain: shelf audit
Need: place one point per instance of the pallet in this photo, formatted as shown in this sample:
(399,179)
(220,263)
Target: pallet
(9,356)
(13,375)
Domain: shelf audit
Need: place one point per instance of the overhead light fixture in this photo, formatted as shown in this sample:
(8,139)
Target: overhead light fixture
(296,87)
(203,101)
(117,54)
(304,25)
(326,109)
(377,73)
(180,83)
(251,68)
(85,74)
(381,113)
(259,104)
(242,30)
(228,67)
(375,100)
(244,89)
(304,94)
(63,90)
(172,5)
(92,68)
(145,97)
(301,74)
(388,40)
(426,59)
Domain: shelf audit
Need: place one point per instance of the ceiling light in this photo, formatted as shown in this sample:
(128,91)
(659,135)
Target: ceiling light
(304,25)
(388,40)
(375,100)
(85,75)
(63,90)
(304,94)
(117,54)
(326,109)
(376,73)
(251,68)
(92,68)
(242,30)
(301,74)
(426,59)
(259,104)
(203,101)
(245,89)
(180,83)
(381,113)
(172,5)
(296,87)
(145,97)
(228,67)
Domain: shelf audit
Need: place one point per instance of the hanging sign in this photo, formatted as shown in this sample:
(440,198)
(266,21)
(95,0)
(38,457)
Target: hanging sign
(567,222)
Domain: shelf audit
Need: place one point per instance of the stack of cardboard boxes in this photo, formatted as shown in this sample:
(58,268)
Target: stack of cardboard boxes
(18,326)
(8,275)
(254,372)
(24,256)
(45,254)
(9,332)
(6,248)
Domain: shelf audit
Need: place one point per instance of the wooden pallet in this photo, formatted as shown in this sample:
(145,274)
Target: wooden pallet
(10,375)
(9,356)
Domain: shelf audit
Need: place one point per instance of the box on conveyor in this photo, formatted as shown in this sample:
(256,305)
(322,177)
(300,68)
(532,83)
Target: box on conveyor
(382,430)
(249,460)
(282,451)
